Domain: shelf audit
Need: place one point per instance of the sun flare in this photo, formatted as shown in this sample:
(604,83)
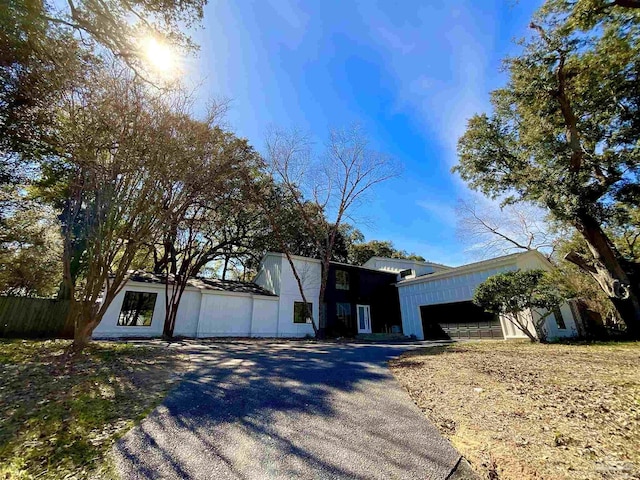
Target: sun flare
(160,56)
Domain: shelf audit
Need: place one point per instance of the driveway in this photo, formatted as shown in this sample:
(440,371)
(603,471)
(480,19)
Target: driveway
(267,410)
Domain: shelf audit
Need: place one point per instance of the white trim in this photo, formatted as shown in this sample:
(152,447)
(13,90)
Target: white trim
(368,309)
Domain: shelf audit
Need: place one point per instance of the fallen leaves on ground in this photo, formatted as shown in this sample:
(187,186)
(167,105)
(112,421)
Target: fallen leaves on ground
(530,411)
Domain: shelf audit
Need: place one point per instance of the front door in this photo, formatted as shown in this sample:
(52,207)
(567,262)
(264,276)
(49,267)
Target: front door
(364,318)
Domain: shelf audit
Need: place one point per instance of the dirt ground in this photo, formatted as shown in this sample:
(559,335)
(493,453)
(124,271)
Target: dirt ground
(529,411)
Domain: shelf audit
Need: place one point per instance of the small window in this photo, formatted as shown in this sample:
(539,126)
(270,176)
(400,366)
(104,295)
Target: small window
(557,314)
(343,312)
(137,309)
(406,273)
(300,313)
(342,280)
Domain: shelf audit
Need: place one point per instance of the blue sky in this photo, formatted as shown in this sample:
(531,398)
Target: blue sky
(409,72)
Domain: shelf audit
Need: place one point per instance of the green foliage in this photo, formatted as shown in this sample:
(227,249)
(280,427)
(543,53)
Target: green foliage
(510,293)
(360,252)
(523,149)
(30,251)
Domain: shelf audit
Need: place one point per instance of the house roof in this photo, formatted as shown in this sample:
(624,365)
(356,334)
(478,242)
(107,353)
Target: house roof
(201,283)
(362,267)
(409,261)
(475,267)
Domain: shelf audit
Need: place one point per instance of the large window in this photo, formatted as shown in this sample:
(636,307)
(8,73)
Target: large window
(559,320)
(300,313)
(343,312)
(342,280)
(137,309)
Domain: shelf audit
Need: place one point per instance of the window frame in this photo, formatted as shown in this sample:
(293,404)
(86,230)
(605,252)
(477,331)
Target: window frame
(151,308)
(343,285)
(295,311)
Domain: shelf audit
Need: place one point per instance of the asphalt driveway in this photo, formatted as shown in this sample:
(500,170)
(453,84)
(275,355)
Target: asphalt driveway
(263,410)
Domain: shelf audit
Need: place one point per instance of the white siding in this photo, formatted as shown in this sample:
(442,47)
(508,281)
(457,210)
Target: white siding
(459,285)
(309,271)
(188,314)
(264,320)
(396,265)
(225,315)
(456,288)
(109,328)
(270,273)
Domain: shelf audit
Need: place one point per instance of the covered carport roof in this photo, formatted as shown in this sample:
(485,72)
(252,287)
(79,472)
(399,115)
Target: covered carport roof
(481,266)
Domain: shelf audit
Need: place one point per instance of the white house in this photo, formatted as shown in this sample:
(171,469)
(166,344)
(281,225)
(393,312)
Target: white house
(432,297)
(444,299)
(269,307)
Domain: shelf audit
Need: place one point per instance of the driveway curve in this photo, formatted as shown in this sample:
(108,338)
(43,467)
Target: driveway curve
(282,410)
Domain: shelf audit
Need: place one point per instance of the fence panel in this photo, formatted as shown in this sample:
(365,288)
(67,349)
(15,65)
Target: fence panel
(25,317)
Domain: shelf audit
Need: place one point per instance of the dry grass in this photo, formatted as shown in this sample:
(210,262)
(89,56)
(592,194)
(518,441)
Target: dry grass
(59,419)
(523,411)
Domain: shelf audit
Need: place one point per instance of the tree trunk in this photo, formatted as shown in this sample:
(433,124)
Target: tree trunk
(226,265)
(322,309)
(84,323)
(606,268)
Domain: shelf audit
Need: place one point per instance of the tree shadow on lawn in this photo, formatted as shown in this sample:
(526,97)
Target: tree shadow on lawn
(60,419)
(287,410)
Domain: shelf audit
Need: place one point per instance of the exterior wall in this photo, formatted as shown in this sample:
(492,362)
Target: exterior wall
(270,273)
(366,287)
(443,289)
(204,313)
(309,271)
(264,319)
(459,285)
(225,315)
(109,328)
(188,314)
(537,261)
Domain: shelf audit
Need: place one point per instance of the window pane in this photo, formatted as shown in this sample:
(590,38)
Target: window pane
(343,313)
(299,312)
(361,318)
(137,309)
(559,320)
(342,280)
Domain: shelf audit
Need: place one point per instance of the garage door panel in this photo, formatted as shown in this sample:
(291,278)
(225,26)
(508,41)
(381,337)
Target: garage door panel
(459,320)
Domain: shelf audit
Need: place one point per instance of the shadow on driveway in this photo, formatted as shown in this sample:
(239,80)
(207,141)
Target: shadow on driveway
(258,410)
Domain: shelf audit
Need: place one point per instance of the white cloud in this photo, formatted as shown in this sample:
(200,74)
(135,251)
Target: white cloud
(439,211)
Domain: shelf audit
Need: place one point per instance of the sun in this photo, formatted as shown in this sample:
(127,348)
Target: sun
(160,56)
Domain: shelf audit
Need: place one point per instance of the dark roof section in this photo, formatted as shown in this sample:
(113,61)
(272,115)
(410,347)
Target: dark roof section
(205,283)
(360,267)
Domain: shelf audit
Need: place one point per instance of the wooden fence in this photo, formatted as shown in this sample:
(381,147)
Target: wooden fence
(25,317)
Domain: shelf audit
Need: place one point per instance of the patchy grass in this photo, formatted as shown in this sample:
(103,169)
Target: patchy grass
(524,411)
(59,420)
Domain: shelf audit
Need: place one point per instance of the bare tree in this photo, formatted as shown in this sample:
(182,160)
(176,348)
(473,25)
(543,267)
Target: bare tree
(490,230)
(335,183)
